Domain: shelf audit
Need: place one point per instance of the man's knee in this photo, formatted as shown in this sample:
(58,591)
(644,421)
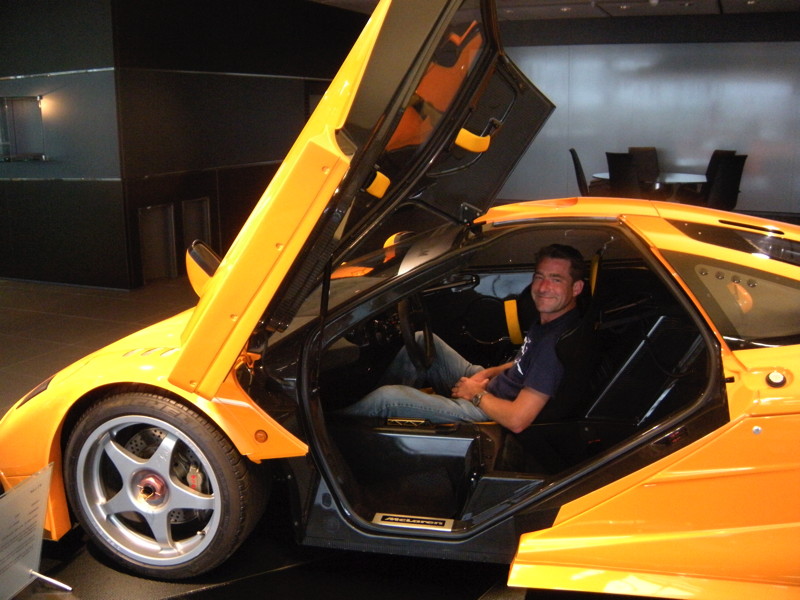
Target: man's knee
(387,394)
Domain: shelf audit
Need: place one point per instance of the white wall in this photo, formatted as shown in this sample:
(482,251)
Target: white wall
(685,99)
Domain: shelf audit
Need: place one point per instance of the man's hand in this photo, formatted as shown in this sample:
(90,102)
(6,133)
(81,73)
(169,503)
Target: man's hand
(466,387)
(516,414)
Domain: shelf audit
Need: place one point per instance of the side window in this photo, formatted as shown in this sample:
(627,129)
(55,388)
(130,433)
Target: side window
(750,307)
(21,130)
(446,73)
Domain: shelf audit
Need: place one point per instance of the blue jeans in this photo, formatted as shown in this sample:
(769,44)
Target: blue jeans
(400,395)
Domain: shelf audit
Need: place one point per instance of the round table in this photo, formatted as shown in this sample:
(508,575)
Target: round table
(667,178)
(666,186)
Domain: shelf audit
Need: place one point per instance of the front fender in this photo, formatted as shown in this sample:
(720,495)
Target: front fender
(34,432)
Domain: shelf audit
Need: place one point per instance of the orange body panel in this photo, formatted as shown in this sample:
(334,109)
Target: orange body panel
(716,509)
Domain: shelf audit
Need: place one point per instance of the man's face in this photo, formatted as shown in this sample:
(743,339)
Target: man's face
(553,290)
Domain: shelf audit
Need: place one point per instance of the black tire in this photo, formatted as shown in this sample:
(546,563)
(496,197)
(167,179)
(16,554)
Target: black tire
(158,487)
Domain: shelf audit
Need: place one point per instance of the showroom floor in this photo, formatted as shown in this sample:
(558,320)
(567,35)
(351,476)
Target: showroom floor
(44,327)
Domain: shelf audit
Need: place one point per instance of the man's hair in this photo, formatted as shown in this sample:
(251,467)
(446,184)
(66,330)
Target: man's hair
(577,266)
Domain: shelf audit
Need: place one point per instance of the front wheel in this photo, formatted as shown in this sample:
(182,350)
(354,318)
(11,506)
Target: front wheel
(158,487)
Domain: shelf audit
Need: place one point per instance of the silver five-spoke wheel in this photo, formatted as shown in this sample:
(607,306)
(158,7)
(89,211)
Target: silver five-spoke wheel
(158,487)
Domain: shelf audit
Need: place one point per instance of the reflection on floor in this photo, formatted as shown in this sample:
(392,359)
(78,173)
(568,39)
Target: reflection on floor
(271,566)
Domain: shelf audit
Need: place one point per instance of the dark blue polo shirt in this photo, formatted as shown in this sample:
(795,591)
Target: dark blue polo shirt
(536,365)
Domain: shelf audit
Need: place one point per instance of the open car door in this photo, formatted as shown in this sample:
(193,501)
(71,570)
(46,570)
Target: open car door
(426,112)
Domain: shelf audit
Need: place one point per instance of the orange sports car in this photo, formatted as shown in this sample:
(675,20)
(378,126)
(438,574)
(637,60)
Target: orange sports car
(670,467)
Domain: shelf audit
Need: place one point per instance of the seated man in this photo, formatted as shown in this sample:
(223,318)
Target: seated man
(511,394)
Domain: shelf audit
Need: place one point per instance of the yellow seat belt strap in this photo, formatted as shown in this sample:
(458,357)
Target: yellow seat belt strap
(512,321)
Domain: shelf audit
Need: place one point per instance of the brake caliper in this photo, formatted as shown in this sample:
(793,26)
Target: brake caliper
(194,478)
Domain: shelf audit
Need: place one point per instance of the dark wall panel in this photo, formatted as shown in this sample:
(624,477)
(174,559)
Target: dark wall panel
(49,36)
(173,122)
(231,194)
(276,37)
(170,191)
(66,232)
(764,27)
(148,105)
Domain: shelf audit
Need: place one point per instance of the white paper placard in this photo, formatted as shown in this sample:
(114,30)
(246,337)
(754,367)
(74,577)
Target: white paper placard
(22,512)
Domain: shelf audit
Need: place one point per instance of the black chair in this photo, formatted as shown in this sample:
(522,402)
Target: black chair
(645,161)
(690,194)
(583,187)
(724,191)
(713,162)
(599,187)
(622,177)
(596,187)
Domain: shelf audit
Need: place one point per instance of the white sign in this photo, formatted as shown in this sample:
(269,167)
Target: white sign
(22,512)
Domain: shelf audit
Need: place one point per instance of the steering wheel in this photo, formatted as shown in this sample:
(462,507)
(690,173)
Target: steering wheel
(413,318)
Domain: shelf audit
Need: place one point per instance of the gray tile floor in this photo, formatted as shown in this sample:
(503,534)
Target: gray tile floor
(45,327)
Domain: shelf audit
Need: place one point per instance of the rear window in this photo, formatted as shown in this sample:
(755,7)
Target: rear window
(750,307)
(764,242)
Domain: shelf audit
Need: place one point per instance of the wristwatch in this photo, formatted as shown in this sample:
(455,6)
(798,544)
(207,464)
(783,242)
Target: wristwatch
(476,399)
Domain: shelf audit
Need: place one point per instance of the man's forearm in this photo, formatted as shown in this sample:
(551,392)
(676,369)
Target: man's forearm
(516,414)
(492,372)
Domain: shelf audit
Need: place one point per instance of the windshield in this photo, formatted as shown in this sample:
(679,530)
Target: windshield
(400,253)
(759,243)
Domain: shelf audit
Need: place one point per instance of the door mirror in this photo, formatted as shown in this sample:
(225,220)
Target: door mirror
(201,264)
